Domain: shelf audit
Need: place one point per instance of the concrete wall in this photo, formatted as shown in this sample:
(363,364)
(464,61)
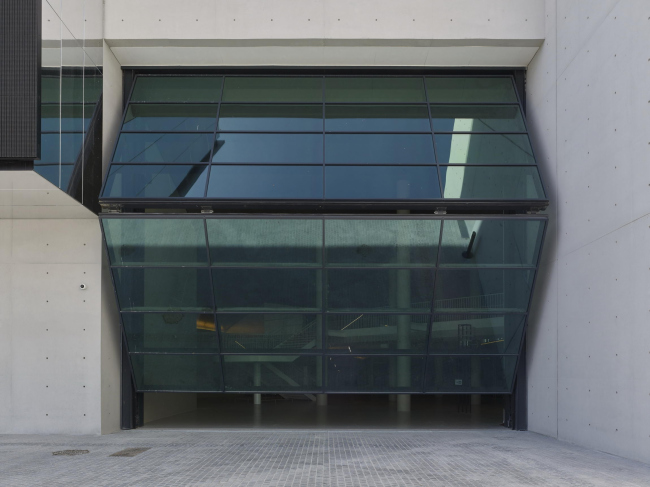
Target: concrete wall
(589,342)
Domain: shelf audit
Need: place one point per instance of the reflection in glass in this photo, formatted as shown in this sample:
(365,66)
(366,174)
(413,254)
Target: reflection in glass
(485,149)
(157,147)
(379,149)
(69,151)
(279,289)
(372,333)
(170,332)
(163,289)
(270,332)
(379,289)
(196,372)
(266,182)
(177,89)
(470,90)
(170,118)
(268,148)
(374,373)
(483,289)
(491,182)
(155,241)
(489,374)
(155,181)
(381,182)
(476,333)
(291,118)
(72,117)
(278,373)
(484,243)
(253,242)
(377,118)
(374,89)
(477,118)
(273,89)
(381,242)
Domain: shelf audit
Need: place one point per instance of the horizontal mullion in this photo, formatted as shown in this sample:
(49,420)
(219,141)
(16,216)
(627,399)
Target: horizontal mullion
(475,267)
(173,102)
(169,132)
(487,311)
(474,164)
(173,353)
(476,103)
(388,132)
(227,216)
(477,133)
(473,354)
(148,163)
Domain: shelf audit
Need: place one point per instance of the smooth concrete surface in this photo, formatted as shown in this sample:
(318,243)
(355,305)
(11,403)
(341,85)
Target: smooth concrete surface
(589,340)
(112,105)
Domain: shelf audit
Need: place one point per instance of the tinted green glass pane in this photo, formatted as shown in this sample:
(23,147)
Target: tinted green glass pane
(155,181)
(367,333)
(374,89)
(470,374)
(266,182)
(374,373)
(483,290)
(50,89)
(491,183)
(170,332)
(495,242)
(272,373)
(276,118)
(477,118)
(70,147)
(379,289)
(477,333)
(93,88)
(157,147)
(253,242)
(67,117)
(156,241)
(75,89)
(55,173)
(177,88)
(265,332)
(484,149)
(269,148)
(381,242)
(471,90)
(170,118)
(196,373)
(274,89)
(381,182)
(163,289)
(278,289)
(379,149)
(377,118)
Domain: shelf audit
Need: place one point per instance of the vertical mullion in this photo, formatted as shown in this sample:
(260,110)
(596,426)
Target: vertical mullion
(214,304)
(323,96)
(214,141)
(433,138)
(323,323)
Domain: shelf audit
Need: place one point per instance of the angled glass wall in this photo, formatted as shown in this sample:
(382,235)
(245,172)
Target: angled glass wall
(313,303)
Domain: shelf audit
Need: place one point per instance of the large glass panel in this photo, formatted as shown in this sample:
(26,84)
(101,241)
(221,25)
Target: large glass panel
(483,289)
(173,241)
(270,332)
(156,147)
(374,373)
(177,89)
(373,333)
(72,118)
(471,90)
(477,118)
(379,289)
(279,289)
(266,182)
(170,332)
(476,333)
(155,181)
(273,89)
(158,372)
(381,182)
(374,89)
(379,149)
(170,118)
(470,374)
(377,118)
(251,242)
(491,182)
(69,149)
(484,243)
(163,289)
(397,242)
(50,89)
(276,373)
(268,148)
(275,118)
(485,149)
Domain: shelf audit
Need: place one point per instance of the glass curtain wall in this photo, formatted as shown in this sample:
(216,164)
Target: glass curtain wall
(322,303)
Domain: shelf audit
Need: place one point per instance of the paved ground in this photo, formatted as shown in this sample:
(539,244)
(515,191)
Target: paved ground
(485,458)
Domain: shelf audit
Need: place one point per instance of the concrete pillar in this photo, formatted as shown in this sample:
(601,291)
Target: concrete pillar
(321,399)
(257,381)
(403,403)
